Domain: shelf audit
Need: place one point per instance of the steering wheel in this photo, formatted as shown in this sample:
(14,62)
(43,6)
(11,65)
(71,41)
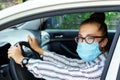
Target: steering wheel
(16,71)
(29,52)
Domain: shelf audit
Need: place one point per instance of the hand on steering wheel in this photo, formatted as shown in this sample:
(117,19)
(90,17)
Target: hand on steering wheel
(16,71)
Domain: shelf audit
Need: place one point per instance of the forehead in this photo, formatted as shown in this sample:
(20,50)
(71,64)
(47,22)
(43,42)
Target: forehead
(89,29)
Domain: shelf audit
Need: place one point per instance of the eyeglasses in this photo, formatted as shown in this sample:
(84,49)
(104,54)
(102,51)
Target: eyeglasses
(88,39)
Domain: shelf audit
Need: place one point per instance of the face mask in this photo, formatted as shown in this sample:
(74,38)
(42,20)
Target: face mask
(88,52)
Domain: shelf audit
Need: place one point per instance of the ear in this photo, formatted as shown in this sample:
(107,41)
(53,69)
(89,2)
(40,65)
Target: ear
(104,42)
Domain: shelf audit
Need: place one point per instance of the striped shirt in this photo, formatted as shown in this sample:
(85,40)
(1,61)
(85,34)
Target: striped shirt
(59,67)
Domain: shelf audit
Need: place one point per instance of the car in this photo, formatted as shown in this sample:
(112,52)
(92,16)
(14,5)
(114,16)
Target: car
(55,24)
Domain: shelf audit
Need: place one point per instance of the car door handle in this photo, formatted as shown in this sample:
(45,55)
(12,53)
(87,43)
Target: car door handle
(58,36)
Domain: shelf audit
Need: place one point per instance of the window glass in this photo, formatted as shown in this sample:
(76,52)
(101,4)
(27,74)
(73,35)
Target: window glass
(112,20)
(72,21)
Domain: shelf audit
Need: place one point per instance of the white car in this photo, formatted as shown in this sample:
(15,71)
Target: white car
(55,23)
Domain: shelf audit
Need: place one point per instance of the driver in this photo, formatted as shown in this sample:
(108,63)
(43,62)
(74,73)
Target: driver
(92,49)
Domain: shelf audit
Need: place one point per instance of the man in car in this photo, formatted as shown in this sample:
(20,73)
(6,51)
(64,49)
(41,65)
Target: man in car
(92,49)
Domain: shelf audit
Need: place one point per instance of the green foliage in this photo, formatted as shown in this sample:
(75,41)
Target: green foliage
(6,4)
(72,21)
(112,20)
(75,19)
(0,6)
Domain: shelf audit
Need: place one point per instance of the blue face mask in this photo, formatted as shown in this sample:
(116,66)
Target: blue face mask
(88,52)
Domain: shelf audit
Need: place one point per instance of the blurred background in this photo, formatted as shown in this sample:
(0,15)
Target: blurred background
(8,3)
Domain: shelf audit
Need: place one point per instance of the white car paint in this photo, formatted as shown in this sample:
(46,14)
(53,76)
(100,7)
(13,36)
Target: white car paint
(40,6)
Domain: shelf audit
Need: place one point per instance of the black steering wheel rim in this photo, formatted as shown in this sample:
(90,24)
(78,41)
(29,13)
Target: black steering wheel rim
(26,44)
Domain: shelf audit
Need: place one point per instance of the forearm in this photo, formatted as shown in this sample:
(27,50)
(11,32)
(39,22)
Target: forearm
(47,70)
(52,71)
(40,51)
(59,59)
(62,60)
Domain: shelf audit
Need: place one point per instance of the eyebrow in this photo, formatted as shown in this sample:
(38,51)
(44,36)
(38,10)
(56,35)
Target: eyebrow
(87,35)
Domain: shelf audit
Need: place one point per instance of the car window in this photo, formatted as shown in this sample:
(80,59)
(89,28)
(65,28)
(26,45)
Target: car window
(72,21)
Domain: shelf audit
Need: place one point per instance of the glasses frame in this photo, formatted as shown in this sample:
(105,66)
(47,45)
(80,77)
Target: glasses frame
(85,38)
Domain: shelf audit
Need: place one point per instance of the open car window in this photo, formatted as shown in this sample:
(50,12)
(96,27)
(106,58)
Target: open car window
(69,21)
(72,21)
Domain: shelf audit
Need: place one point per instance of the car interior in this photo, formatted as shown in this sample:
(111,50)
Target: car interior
(51,35)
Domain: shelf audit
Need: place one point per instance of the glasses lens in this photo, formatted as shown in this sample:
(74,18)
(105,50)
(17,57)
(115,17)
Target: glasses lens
(89,39)
(78,39)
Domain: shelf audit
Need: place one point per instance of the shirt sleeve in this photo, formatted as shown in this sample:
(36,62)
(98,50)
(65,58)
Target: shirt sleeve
(52,71)
(62,60)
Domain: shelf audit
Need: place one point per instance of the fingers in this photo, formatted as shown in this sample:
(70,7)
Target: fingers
(31,41)
(29,38)
(9,52)
(19,47)
(15,53)
(12,50)
(9,55)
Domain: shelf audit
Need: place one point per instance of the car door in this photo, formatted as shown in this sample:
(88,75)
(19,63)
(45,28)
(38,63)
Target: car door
(62,42)
(112,67)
